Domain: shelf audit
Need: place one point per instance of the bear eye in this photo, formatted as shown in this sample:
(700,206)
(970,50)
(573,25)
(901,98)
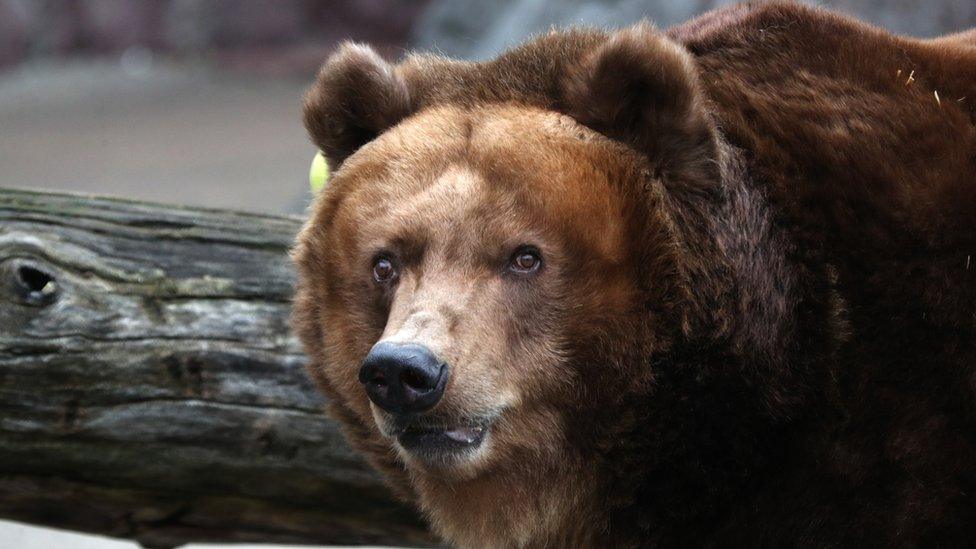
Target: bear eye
(525,260)
(383,270)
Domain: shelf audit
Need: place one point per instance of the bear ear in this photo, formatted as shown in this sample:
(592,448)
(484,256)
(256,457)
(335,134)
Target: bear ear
(356,96)
(642,88)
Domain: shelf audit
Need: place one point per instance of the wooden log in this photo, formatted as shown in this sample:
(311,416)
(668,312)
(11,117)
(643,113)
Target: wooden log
(150,388)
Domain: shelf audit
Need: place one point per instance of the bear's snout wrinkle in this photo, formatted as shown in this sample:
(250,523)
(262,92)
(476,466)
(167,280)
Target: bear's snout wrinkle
(403,378)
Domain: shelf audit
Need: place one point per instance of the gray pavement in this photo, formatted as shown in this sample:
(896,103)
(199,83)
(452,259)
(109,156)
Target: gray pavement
(23,536)
(155,131)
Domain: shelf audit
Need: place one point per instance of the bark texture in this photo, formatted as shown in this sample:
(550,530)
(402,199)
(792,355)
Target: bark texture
(150,387)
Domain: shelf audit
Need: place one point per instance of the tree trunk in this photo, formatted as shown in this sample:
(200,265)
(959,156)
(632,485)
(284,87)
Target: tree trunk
(150,388)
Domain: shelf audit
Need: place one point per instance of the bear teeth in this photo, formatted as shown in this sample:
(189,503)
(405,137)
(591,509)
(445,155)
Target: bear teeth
(466,435)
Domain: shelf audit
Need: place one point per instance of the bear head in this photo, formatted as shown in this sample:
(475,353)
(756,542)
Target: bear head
(486,280)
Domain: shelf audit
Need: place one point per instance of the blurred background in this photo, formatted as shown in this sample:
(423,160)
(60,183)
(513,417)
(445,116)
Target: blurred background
(198,101)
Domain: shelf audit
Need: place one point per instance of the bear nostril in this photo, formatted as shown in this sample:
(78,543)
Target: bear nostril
(375,377)
(414,380)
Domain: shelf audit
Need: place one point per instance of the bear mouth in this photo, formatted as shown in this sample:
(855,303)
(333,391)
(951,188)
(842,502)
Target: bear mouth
(441,442)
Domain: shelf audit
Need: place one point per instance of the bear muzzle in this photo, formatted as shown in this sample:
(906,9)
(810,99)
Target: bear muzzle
(405,381)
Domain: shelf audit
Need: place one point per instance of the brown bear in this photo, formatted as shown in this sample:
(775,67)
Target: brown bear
(709,286)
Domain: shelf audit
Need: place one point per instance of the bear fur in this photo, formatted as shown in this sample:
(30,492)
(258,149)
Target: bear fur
(758,323)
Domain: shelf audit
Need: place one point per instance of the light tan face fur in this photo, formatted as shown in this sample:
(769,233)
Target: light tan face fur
(451,194)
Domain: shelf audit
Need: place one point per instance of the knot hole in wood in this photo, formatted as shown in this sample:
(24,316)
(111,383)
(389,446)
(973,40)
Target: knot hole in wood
(32,284)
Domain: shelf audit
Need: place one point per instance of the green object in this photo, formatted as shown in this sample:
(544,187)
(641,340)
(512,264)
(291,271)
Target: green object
(318,174)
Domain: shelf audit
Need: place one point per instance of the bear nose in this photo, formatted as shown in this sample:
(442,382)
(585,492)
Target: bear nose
(403,378)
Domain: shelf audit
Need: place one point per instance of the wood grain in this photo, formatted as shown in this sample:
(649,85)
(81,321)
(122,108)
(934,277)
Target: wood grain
(150,388)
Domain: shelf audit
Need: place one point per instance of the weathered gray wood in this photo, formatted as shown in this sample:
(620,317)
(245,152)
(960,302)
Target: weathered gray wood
(150,388)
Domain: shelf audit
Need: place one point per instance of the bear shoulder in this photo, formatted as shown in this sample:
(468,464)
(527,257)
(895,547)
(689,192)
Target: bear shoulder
(834,112)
